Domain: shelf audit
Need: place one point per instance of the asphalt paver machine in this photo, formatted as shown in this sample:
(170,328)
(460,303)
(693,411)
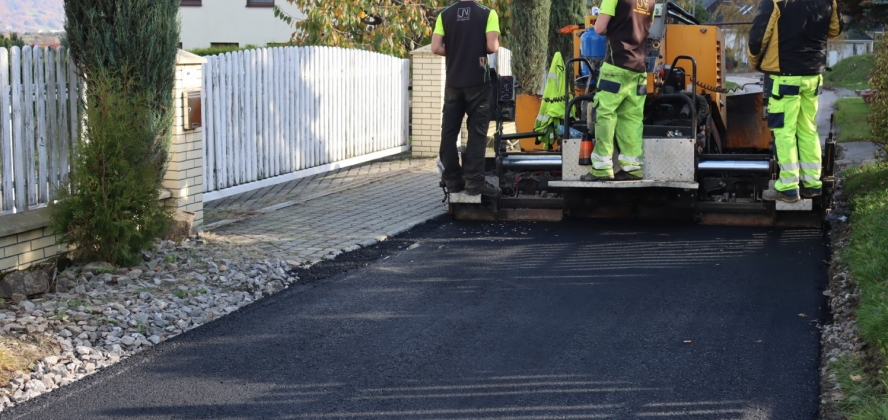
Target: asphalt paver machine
(708,152)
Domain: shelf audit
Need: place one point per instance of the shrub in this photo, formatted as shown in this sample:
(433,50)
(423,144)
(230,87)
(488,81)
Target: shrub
(112,210)
(878,117)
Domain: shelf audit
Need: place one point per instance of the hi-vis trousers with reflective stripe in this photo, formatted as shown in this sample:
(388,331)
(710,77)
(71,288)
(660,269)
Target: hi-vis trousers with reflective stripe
(619,109)
(792,109)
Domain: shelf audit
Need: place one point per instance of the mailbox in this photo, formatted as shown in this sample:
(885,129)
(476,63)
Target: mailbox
(191,112)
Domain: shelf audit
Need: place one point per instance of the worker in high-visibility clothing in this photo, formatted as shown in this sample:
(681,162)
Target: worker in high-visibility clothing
(622,89)
(788,42)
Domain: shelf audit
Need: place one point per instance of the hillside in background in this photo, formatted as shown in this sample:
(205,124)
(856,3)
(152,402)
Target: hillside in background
(31,15)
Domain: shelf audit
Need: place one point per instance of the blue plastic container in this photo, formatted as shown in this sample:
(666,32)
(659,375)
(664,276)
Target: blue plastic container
(592,45)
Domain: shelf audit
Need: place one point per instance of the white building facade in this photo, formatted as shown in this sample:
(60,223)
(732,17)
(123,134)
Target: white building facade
(207,23)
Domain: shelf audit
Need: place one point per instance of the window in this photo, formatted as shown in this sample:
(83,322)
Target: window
(189,3)
(260,3)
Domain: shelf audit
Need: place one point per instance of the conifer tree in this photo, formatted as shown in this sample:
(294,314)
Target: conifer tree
(125,50)
(529,42)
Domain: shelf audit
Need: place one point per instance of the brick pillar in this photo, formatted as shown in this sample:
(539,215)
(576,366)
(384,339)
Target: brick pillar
(184,176)
(427,101)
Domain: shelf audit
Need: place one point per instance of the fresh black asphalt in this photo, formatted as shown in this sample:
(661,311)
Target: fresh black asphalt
(457,320)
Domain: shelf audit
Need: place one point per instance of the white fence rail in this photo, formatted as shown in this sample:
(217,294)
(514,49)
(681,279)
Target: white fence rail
(39,123)
(275,114)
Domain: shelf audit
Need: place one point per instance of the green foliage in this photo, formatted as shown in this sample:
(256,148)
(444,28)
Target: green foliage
(865,377)
(851,73)
(126,50)
(696,8)
(878,118)
(13,40)
(393,27)
(563,13)
(851,117)
(112,211)
(530,44)
(135,41)
(864,14)
(203,52)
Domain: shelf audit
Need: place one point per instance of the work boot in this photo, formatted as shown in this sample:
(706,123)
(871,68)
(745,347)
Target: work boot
(483,187)
(790,196)
(627,176)
(454,185)
(810,192)
(592,178)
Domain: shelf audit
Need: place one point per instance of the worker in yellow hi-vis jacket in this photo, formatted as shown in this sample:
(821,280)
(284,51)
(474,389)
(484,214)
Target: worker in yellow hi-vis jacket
(788,42)
(622,88)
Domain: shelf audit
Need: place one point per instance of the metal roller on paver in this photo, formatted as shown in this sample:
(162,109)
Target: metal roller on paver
(708,152)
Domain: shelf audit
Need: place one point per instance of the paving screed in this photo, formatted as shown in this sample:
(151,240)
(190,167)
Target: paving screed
(578,319)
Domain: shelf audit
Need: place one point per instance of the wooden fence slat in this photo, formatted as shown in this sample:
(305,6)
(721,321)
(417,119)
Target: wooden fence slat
(285,110)
(217,122)
(42,129)
(294,110)
(288,116)
(206,106)
(8,201)
(28,123)
(301,94)
(73,110)
(61,76)
(264,106)
(18,131)
(256,151)
(225,141)
(246,104)
(237,118)
(293,54)
(250,58)
(279,111)
(52,121)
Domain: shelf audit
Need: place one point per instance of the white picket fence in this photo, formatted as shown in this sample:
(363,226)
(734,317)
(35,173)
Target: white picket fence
(39,120)
(276,114)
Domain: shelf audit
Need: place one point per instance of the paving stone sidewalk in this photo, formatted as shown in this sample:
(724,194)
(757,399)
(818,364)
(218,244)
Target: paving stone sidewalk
(248,203)
(323,216)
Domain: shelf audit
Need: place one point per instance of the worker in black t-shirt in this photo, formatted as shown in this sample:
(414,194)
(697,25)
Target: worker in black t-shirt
(621,90)
(465,33)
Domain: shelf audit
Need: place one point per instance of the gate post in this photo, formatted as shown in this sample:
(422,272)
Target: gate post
(184,175)
(427,101)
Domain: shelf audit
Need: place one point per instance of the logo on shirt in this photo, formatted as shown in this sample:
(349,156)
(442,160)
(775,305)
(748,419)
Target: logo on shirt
(643,7)
(463,14)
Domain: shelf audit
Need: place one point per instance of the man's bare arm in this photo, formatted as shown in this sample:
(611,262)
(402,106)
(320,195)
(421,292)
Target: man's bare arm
(492,42)
(438,44)
(601,24)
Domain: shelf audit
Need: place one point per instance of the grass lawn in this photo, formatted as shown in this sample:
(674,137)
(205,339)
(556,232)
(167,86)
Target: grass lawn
(851,73)
(851,116)
(865,379)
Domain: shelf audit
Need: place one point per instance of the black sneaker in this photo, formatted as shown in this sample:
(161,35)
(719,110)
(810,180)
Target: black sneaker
(483,188)
(592,178)
(454,185)
(627,176)
(790,196)
(810,192)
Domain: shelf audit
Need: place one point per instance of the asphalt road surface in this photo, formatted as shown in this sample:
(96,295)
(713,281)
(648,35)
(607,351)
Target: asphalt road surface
(456,320)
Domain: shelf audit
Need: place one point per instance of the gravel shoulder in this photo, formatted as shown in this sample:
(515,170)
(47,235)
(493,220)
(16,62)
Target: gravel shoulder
(98,314)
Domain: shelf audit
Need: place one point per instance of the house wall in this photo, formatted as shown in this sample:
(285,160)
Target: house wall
(231,21)
(845,49)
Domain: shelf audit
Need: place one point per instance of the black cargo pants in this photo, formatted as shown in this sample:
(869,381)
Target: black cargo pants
(474,101)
